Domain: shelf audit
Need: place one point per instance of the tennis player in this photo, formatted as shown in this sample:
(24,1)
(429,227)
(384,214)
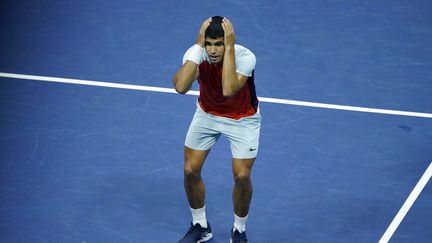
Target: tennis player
(227,106)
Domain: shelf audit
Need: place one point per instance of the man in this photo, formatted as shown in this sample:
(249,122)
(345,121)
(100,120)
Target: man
(227,105)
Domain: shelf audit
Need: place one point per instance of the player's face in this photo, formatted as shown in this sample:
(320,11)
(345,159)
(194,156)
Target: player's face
(215,49)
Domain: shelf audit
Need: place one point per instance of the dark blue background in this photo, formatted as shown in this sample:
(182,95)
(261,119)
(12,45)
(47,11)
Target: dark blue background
(91,164)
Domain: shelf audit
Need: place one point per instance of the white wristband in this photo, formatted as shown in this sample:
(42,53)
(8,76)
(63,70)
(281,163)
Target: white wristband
(195,54)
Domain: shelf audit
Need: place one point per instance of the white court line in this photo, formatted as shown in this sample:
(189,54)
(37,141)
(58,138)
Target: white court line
(194,92)
(407,205)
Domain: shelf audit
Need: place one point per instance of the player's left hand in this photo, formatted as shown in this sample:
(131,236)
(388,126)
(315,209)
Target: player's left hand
(228,28)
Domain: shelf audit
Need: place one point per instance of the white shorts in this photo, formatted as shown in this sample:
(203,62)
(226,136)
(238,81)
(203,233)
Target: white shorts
(243,134)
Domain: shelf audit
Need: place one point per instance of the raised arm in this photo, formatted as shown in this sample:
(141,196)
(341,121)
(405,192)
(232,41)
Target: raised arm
(188,73)
(232,81)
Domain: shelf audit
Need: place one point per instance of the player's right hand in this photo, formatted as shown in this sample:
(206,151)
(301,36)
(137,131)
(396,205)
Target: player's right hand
(201,34)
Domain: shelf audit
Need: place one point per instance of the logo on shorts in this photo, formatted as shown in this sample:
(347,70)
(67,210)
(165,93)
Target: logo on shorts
(252,149)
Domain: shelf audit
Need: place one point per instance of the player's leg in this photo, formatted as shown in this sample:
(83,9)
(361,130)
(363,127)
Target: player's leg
(200,230)
(193,183)
(244,140)
(199,140)
(242,192)
(242,195)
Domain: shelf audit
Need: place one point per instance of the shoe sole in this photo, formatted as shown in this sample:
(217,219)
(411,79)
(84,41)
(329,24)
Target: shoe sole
(207,238)
(230,240)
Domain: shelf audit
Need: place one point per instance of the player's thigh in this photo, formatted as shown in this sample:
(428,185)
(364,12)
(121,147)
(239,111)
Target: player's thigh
(242,168)
(194,160)
(203,131)
(244,136)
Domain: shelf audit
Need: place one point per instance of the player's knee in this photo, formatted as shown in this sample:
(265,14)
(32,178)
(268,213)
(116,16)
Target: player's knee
(242,177)
(190,172)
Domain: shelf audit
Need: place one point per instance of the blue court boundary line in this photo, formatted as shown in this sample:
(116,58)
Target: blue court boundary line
(196,93)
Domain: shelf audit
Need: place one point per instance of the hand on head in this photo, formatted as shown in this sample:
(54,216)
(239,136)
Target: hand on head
(229,34)
(229,38)
(201,34)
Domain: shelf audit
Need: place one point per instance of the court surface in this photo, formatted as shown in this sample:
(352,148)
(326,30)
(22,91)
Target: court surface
(85,163)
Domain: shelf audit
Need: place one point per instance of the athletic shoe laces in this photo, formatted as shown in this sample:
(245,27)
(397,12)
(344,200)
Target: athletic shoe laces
(196,231)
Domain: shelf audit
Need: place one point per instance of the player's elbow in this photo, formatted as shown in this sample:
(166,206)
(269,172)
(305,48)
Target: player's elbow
(181,89)
(230,87)
(228,93)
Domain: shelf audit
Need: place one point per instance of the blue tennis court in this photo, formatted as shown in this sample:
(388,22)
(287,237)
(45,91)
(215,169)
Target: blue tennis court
(88,162)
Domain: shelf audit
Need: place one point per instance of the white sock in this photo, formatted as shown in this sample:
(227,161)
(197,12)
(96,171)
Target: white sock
(199,216)
(240,223)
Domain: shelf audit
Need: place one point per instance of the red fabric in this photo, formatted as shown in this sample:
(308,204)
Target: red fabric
(212,101)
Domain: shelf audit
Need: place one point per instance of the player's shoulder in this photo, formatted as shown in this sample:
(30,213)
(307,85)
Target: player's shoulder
(245,60)
(243,54)
(242,51)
